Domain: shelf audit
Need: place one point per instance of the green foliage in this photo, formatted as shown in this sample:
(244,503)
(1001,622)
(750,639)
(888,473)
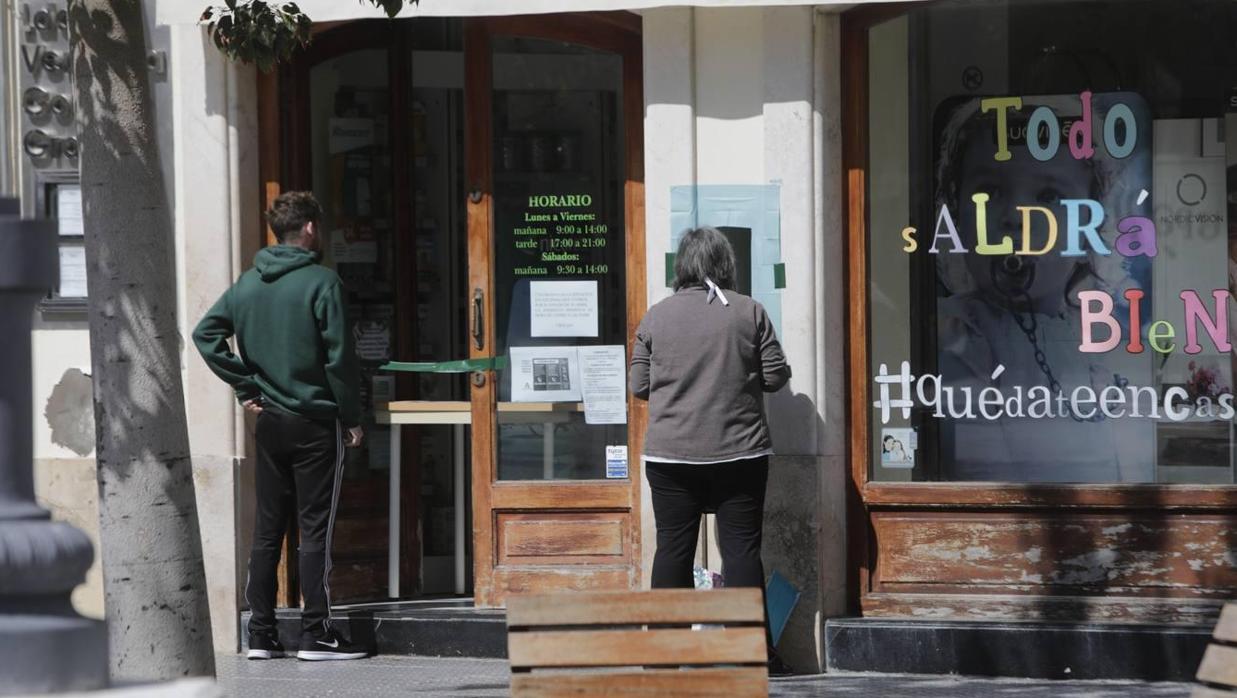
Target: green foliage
(391,7)
(262,33)
(256,32)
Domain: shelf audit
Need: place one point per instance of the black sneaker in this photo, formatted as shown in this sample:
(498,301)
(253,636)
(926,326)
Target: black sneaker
(265,645)
(328,647)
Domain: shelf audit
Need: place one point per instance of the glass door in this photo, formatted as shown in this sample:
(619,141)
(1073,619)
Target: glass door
(342,149)
(556,281)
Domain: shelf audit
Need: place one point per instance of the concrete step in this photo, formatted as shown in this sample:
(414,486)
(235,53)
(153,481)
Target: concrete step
(1029,650)
(431,628)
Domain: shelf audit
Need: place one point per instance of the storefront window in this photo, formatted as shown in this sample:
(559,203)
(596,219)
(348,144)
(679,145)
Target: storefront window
(560,263)
(1048,242)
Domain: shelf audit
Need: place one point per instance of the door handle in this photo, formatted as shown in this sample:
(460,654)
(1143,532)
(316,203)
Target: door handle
(478,318)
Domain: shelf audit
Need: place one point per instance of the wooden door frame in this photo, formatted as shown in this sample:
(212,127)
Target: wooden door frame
(616,32)
(284,164)
(865,496)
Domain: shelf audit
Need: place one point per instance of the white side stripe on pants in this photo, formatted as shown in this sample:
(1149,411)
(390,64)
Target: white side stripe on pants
(330,522)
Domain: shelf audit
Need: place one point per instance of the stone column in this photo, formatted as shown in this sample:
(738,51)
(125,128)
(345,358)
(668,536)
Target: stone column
(46,645)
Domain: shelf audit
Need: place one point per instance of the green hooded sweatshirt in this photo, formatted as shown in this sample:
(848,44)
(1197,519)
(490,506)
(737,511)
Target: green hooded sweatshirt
(290,321)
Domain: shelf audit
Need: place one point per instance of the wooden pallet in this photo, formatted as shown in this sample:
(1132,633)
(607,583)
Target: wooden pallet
(638,644)
(1218,670)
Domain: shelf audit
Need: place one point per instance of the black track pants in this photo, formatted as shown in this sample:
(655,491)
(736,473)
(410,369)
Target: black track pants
(299,465)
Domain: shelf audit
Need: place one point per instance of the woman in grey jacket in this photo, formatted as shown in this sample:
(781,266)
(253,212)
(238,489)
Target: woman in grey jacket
(703,359)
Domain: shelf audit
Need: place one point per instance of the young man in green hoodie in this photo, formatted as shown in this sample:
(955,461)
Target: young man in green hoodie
(297,371)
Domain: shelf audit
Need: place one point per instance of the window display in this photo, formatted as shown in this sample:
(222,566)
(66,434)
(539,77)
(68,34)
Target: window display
(1048,246)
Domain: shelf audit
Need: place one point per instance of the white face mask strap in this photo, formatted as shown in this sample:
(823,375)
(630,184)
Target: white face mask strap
(715,291)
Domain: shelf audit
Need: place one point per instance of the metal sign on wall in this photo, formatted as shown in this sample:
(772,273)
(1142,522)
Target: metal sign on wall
(49,131)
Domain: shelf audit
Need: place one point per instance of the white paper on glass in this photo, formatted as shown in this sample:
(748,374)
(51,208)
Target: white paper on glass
(563,308)
(373,340)
(69,209)
(350,249)
(603,375)
(350,133)
(72,271)
(383,389)
(545,374)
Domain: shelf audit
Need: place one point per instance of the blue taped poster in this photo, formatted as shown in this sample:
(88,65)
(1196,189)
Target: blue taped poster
(750,216)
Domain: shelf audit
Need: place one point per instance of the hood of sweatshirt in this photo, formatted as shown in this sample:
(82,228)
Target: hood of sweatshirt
(273,262)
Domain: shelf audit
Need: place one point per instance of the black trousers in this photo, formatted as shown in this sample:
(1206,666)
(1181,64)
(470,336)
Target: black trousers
(683,492)
(299,467)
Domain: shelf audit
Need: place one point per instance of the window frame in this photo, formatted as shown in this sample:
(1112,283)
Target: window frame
(54,306)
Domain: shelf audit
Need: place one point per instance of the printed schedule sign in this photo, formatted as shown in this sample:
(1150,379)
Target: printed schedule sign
(566,234)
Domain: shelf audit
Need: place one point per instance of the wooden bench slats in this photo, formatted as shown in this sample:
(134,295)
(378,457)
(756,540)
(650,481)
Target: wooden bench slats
(1226,628)
(633,608)
(593,648)
(704,683)
(1205,692)
(1219,665)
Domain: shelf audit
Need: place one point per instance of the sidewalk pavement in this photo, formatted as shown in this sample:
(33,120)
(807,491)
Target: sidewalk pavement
(479,678)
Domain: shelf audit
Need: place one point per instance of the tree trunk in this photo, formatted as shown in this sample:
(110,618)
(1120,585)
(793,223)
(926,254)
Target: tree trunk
(153,579)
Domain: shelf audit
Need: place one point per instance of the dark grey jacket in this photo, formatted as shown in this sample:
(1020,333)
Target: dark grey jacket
(703,367)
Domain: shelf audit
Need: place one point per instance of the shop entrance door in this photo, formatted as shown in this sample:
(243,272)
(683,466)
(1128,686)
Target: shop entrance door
(556,285)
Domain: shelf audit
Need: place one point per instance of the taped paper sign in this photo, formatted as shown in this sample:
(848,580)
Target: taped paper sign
(750,218)
(545,374)
(563,308)
(73,271)
(604,372)
(596,375)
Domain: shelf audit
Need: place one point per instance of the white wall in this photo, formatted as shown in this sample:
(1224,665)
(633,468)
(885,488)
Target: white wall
(748,95)
(214,119)
(65,477)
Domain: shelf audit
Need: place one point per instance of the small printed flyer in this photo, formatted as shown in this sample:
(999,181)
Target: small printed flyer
(616,462)
(545,374)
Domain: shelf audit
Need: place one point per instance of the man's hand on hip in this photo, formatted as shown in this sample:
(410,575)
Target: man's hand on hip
(253,406)
(355,434)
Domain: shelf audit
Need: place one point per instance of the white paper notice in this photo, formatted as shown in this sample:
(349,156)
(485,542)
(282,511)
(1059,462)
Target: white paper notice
(545,374)
(69,209)
(563,308)
(603,372)
(373,340)
(348,247)
(72,271)
(349,134)
(383,390)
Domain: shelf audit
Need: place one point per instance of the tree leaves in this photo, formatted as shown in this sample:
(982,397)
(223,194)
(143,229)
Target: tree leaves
(391,7)
(255,31)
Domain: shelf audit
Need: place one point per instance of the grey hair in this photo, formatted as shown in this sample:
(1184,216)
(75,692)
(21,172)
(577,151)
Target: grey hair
(704,253)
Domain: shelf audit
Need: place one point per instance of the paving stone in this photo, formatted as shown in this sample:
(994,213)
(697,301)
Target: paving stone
(380,677)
